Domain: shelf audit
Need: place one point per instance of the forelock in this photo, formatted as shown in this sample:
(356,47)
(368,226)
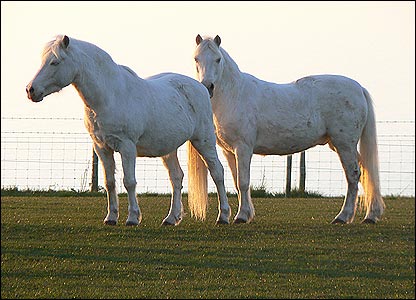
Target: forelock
(208,43)
(53,47)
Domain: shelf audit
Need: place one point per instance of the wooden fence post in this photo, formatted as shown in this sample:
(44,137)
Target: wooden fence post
(302,173)
(94,173)
(288,175)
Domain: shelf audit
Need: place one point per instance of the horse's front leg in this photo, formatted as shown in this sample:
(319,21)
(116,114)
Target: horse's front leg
(245,212)
(106,156)
(175,214)
(128,160)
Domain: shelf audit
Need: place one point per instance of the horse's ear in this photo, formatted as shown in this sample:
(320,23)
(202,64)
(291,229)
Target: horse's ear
(198,39)
(217,40)
(65,41)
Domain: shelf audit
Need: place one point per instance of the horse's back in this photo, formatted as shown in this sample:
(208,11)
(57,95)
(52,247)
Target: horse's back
(189,90)
(326,95)
(332,85)
(178,81)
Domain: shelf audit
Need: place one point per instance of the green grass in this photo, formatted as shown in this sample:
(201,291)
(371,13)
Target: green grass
(57,247)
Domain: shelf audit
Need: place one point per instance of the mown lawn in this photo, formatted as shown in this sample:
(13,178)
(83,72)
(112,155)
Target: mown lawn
(58,247)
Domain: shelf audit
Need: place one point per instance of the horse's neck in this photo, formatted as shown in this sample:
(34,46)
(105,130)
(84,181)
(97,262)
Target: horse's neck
(91,89)
(231,80)
(98,74)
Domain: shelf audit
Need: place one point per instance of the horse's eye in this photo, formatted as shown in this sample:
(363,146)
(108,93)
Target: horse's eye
(218,60)
(54,63)
(196,60)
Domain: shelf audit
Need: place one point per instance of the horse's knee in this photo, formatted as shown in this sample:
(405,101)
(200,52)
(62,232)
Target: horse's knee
(129,183)
(110,184)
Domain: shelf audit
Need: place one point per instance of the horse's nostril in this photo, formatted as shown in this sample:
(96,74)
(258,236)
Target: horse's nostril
(30,90)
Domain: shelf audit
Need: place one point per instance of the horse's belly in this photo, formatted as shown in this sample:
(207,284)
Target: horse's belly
(156,149)
(288,143)
(159,143)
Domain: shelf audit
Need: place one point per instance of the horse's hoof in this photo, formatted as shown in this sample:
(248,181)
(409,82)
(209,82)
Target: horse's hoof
(239,221)
(338,221)
(368,221)
(166,223)
(222,222)
(131,223)
(110,222)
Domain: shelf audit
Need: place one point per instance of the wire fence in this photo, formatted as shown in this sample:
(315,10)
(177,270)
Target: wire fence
(56,154)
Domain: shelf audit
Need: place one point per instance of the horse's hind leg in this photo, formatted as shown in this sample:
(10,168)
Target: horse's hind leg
(208,152)
(349,160)
(175,214)
(107,160)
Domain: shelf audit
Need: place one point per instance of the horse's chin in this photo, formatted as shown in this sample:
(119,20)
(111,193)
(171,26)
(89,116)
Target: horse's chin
(36,98)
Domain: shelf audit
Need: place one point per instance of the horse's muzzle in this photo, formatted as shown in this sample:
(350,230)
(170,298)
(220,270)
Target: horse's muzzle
(30,91)
(210,89)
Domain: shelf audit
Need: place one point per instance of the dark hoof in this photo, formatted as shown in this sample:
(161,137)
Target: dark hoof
(338,221)
(165,223)
(368,221)
(110,222)
(130,223)
(221,222)
(239,221)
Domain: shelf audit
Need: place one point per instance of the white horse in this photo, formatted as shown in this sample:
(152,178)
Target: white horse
(253,116)
(137,117)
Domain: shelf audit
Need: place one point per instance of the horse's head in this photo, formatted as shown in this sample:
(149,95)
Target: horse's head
(56,71)
(209,61)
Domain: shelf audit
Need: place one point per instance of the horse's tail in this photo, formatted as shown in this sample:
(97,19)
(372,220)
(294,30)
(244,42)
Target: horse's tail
(371,199)
(197,184)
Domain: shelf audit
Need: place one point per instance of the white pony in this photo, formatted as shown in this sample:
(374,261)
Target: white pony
(137,117)
(253,116)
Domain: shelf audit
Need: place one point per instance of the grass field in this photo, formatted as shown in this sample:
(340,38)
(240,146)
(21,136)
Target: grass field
(58,247)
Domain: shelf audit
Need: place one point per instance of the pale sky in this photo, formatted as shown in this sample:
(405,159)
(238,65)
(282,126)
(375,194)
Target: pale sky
(371,42)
